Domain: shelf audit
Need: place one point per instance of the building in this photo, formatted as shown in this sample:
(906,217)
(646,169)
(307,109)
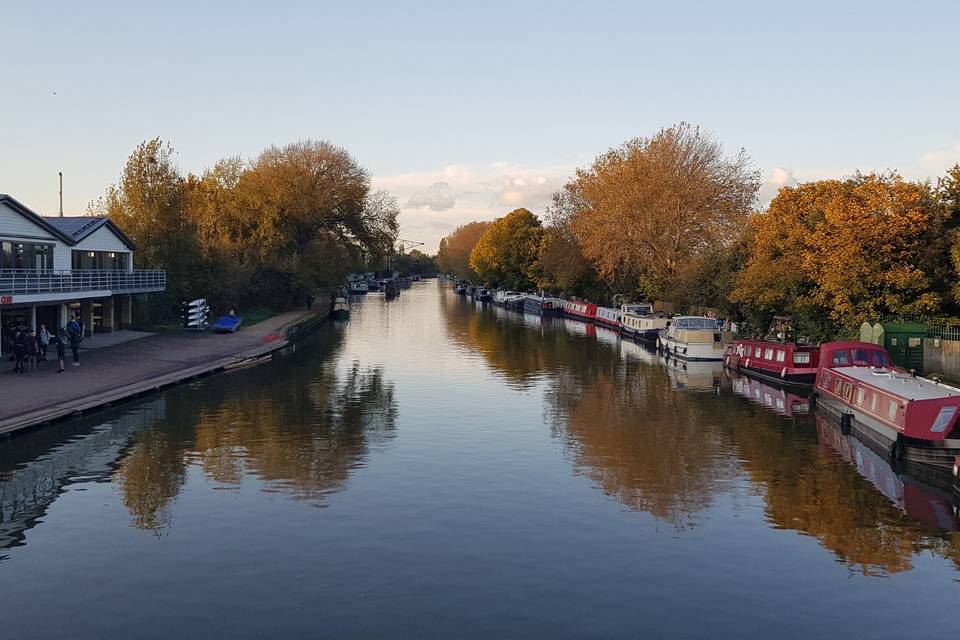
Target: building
(52,268)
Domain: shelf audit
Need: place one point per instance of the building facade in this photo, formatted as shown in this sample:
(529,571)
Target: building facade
(54,268)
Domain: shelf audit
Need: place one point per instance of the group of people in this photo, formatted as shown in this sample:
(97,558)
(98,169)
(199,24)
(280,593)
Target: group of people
(28,347)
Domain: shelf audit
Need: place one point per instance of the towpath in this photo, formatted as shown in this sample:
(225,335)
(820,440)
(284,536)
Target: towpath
(110,374)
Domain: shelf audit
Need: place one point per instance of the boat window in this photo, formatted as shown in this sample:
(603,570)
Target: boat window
(880,359)
(841,358)
(873,401)
(837,386)
(860,395)
(758,352)
(847,391)
(781,355)
(892,410)
(768,354)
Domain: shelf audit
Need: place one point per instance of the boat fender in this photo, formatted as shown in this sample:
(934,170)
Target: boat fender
(897,449)
(747,364)
(846,420)
(783,372)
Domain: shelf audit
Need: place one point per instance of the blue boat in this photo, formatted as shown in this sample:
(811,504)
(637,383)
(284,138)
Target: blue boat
(226,324)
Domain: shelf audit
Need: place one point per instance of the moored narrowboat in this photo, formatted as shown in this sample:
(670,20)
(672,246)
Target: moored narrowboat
(643,327)
(893,412)
(541,305)
(609,317)
(784,362)
(580,310)
(480,294)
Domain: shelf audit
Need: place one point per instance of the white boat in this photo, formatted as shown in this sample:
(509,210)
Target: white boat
(501,296)
(358,287)
(692,338)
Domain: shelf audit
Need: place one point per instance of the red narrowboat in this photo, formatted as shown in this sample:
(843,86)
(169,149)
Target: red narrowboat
(784,362)
(892,411)
(580,310)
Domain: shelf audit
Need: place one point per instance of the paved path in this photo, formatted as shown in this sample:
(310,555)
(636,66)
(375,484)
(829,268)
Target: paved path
(104,371)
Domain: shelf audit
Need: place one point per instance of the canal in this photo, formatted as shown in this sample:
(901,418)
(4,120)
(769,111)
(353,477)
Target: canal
(434,468)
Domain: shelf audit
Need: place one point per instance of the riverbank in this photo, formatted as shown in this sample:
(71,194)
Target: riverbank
(113,374)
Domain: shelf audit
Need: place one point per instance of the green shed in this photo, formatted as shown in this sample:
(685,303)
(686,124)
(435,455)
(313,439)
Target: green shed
(903,341)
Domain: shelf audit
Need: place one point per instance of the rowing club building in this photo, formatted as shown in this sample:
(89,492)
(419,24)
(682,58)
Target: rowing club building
(53,268)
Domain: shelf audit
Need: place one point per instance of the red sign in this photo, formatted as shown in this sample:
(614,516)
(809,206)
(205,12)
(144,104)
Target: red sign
(6,299)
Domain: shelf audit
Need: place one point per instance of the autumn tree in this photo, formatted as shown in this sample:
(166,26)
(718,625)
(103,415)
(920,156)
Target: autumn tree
(948,193)
(835,253)
(507,252)
(653,204)
(149,203)
(453,255)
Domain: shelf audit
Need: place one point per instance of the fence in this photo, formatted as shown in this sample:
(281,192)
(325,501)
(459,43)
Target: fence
(38,281)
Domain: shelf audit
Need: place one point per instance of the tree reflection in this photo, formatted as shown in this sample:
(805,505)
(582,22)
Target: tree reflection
(300,423)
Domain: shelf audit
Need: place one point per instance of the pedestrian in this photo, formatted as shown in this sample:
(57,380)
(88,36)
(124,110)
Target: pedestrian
(43,341)
(33,351)
(20,342)
(75,336)
(60,342)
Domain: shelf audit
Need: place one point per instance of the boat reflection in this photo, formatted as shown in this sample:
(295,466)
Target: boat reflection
(694,375)
(780,400)
(916,494)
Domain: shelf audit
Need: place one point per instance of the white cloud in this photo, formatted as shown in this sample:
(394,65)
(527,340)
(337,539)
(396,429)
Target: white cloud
(779,177)
(436,197)
(936,161)
(437,201)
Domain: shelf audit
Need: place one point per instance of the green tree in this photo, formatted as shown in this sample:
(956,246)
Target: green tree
(507,253)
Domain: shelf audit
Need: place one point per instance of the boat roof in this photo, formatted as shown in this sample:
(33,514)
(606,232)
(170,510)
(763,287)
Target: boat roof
(900,384)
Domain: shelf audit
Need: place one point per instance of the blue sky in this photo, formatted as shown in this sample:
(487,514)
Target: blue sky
(466,111)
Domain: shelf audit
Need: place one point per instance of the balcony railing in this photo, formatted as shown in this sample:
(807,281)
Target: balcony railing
(37,281)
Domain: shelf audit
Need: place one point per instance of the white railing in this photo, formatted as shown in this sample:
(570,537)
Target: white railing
(36,281)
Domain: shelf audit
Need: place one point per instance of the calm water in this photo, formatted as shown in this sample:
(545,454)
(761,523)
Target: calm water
(437,469)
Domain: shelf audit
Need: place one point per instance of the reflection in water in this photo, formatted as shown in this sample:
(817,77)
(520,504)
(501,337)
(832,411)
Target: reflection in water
(36,468)
(302,437)
(641,429)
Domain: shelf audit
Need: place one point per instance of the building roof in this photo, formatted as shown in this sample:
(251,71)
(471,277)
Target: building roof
(16,206)
(79,227)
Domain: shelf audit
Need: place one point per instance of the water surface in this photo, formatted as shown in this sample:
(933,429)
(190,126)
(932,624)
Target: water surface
(437,468)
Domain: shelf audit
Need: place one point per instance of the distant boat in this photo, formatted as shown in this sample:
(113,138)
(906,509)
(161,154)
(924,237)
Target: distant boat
(638,321)
(460,288)
(692,338)
(542,306)
(580,310)
(482,295)
(358,288)
(373,285)
(608,317)
(341,308)
(390,287)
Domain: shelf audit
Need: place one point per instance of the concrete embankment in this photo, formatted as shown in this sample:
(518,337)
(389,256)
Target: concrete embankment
(114,374)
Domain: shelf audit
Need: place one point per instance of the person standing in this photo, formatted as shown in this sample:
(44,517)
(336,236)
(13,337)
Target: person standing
(20,344)
(43,341)
(33,351)
(75,335)
(59,341)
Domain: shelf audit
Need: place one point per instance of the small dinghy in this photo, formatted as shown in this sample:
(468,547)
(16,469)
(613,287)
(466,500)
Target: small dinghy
(226,324)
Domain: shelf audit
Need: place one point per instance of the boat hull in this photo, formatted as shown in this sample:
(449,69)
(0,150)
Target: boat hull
(694,351)
(536,307)
(889,442)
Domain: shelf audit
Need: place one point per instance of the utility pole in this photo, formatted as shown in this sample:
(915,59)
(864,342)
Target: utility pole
(61,194)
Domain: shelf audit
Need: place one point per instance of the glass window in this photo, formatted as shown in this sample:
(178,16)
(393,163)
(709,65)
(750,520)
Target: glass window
(759,352)
(880,359)
(873,401)
(860,395)
(768,354)
(781,355)
(892,410)
(841,358)
(6,255)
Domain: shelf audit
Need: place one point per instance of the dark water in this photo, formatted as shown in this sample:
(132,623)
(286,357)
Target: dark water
(437,469)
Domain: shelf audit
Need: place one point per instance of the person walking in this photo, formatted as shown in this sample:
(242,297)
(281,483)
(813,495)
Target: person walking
(75,335)
(43,341)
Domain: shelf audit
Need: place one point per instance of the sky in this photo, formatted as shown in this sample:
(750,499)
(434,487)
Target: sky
(465,111)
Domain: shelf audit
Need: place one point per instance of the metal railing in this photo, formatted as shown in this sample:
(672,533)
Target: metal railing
(36,281)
